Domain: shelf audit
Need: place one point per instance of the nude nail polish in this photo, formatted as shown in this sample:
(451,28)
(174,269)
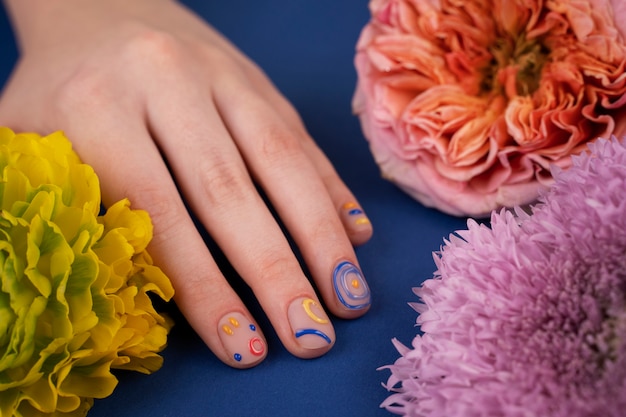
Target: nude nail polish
(350,286)
(310,325)
(241,339)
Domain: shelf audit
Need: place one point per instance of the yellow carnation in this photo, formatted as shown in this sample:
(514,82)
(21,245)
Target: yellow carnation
(74,300)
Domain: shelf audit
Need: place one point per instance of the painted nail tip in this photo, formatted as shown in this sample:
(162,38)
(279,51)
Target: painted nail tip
(311,327)
(354,214)
(304,332)
(350,287)
(241,340)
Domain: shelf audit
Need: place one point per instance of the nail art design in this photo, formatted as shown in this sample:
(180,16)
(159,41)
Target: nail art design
(308,305)
(241,338)
(350,286)
(354,214)
(315,332)
(309,323)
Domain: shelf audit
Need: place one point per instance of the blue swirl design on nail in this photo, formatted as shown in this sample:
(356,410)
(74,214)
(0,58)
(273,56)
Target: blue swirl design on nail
(354,212)
(315,332)
(343,277)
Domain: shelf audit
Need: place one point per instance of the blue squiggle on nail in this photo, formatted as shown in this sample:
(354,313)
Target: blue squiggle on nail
(342,278)
(315,332)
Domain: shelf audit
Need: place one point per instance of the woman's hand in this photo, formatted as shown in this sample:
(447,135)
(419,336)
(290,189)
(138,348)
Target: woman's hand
(143,85)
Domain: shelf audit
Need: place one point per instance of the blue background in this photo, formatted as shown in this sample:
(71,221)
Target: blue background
(307,49)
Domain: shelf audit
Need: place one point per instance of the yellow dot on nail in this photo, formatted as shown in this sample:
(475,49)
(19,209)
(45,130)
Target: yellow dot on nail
(227,330)
(362,220)
(233,321)
(348,206)
(355,283)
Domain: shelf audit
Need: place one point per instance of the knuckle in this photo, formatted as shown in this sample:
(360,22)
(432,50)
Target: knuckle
(166,210)
(92,82)
(153,47)
(273,269)
(222,182)
(84,89)
(279,147)
(327,233)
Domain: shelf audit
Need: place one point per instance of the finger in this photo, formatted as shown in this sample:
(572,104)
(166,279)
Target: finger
(279,163)
(354,219)
(132,167)
(215,181)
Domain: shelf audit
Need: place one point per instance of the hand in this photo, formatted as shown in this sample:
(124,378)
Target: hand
(140,86)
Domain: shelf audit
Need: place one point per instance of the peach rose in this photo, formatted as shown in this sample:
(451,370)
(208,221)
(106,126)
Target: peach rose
(467,104)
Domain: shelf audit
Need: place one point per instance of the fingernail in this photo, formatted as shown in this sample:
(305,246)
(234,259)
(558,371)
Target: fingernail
(241,339)
(310,324)
(354,215)
(350,286)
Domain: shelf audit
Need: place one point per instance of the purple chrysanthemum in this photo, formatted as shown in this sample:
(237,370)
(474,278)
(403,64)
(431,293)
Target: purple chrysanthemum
(528,317)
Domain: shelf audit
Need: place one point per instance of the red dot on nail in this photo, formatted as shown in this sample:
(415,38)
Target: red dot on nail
(257,347)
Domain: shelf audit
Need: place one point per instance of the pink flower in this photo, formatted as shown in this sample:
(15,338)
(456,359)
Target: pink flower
(467,104)
(527,318)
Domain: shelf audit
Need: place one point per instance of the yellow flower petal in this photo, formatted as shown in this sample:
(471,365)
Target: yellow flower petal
(74,302)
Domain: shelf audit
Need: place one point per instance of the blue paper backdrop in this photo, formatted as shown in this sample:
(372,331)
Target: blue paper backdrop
(307,49)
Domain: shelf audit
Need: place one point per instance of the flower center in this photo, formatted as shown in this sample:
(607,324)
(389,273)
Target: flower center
(522,59)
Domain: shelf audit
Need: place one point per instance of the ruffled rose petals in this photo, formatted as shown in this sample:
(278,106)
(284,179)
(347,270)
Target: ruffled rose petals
(467,104)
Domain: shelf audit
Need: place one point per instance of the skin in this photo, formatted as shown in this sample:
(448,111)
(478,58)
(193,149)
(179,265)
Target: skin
(135,83)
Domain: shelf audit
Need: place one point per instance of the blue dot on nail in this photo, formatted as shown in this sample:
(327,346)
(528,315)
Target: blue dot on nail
(237,357)
(355,212)
(253,327)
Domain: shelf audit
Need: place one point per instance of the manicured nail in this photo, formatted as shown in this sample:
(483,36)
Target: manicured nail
(310,324)
(354,215)
(241,339)
(350,286)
